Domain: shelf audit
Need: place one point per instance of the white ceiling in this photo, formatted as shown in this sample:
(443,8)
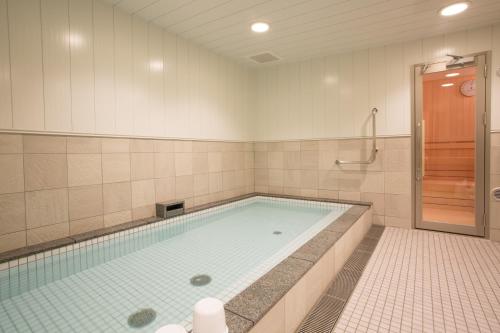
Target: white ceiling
(302,29)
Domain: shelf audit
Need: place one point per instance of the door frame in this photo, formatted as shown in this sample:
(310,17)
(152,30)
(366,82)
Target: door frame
(482,59)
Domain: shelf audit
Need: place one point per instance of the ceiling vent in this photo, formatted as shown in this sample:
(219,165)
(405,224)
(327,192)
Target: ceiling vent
(264,58)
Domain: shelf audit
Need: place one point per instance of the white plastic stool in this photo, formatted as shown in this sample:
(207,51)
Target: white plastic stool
(209,316)
(171,329)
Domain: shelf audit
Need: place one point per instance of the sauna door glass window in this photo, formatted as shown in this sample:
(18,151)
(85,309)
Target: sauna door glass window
(450,105)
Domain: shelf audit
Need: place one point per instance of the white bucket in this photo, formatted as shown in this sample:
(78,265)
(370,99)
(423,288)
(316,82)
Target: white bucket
(209,316)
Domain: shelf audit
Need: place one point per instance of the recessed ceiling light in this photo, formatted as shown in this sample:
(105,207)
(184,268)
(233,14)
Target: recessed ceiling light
(260,27)
(447,85)
(454,9)
(452,74)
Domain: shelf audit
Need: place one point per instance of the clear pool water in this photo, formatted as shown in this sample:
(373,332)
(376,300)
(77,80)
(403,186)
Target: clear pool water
(96,287)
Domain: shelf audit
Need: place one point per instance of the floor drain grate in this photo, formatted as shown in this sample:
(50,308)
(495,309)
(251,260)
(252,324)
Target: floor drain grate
(200,280)
(141,318)
(277,232)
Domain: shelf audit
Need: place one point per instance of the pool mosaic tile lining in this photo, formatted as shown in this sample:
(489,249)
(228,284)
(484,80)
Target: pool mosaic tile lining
(99,260)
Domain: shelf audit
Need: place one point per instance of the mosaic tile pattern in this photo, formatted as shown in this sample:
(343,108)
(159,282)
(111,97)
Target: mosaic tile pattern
(109,278)
(421,281)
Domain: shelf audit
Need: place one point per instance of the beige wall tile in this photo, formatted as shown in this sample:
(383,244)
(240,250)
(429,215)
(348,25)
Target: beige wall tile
(11,143)
(372,182)
(276,160)
(397,222)
(261,177)
(115,167)
(290,191)
(143,212)
(117,197)
(45,171)
(398,205)
(200,146)
(495,160)
(11,173)
(309,179)
(12,241)
(328,180)
(117,218)
(397,160)
(84,225)
(181,146)
(291,146)
(291,178)
(260,146)
(141,146)
(200,163)
(328,194)
(47,233)
(261,160)
(292,160)
(164,164)
(111,145)
(328,145)
(183,164)
(309,145)
(84,169)
(143,193)
(309,160)
(378,200)
(214,161)
(12,216)
(276,178)
(85,201)
(201,184)
(249,160)
(327,160)
(164,189)
(229,180)
(83,145)
(142,166)
(46,207)
(494,235)
(350,195)
(397,143)
(310,193)
(44,144)
(398,182)
(215,182)
(163,146)
(184,187)
(228,161)
(275,146)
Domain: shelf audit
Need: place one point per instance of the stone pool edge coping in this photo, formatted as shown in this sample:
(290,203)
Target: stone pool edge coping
(65,241)
(247,309)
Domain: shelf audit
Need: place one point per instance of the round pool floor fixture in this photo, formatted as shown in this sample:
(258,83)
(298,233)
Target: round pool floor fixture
(141,318)
(200,280)
(277,232)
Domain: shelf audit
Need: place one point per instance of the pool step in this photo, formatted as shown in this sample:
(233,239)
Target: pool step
(327,311)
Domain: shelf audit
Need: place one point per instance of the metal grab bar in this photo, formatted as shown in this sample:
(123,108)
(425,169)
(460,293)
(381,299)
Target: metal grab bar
(373,154)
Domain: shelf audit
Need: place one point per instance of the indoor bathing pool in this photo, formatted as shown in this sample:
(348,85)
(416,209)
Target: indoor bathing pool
(162,268)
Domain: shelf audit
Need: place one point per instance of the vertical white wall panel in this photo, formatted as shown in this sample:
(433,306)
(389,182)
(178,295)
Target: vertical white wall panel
(332,96)
(346,116)
(306,99)
(479,40)
(26,64)
(182,112)
(395,73)
(294,90)
(318,94)
(378,86)
(5,88)
(170,82)
(56,65)
(361,93)
(495,79)
(123,72)
(155,81)
(104,67)
(192,79)
(82,65)
(140,76)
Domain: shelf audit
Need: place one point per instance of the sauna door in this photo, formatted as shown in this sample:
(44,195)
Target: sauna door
(450,118)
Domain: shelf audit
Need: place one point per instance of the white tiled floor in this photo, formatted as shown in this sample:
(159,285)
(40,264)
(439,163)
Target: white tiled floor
(421,281)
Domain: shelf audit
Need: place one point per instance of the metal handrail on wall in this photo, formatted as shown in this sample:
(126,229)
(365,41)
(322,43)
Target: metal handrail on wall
(374,152)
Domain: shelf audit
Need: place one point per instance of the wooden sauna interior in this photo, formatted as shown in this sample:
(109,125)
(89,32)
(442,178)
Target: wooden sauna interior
(449,121)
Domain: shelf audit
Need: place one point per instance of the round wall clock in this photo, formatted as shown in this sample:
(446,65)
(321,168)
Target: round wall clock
(468,88)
